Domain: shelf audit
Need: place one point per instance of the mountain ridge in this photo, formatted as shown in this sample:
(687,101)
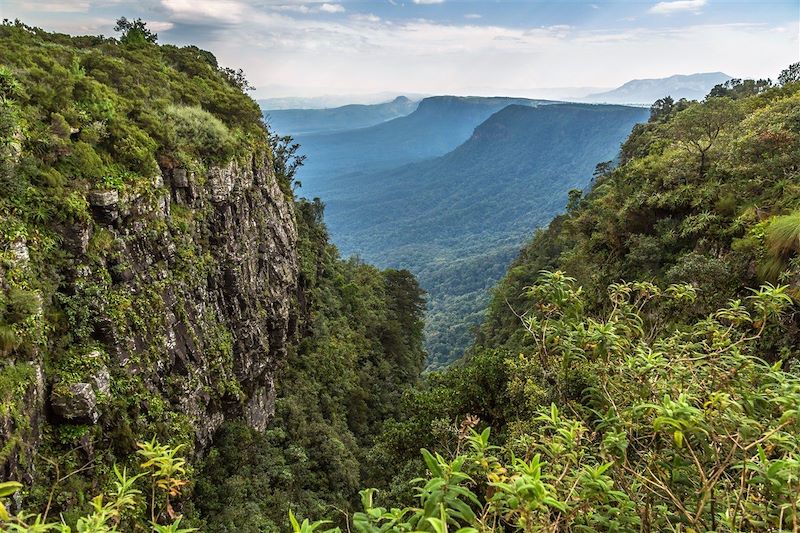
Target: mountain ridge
(645,91)
(458,220)
(330,120)
(438,125)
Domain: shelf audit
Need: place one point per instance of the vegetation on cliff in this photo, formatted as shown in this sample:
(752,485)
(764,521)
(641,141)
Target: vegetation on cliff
(159,280)
(357,347)
(100,259)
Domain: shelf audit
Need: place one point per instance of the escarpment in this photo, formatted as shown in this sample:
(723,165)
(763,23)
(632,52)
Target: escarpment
(178,298)
(148,256)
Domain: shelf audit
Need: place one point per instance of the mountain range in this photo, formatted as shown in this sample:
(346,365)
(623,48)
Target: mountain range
(456,217)
(438,124)
(647,91)
(348,117)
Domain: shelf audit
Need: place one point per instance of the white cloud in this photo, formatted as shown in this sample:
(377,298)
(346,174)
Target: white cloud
(293,43)
(57,7)
(158,26)
(331,8)
(358,56)
(428,2)
(666,8)
(472,16)
(308,7)
(200,11)
(366,17)
(297,8)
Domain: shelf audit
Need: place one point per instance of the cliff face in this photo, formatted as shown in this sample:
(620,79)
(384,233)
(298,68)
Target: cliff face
(179,300)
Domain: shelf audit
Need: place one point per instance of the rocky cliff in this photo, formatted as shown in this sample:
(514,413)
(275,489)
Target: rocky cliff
(148,256)
(182,294)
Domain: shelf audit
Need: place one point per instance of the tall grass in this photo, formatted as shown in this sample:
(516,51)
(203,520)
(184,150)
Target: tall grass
(782,237)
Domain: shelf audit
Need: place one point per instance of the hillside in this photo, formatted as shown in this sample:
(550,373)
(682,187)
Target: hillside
(647,91)
(162,292)
(438,125)
(457,221)
(297,122)
(638,369)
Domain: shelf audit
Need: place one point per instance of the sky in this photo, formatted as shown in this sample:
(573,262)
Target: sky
(350,47)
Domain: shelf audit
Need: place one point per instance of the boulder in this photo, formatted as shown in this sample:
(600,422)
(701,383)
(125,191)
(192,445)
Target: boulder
(180,178)
(104,206)
(103,198)
(75,402)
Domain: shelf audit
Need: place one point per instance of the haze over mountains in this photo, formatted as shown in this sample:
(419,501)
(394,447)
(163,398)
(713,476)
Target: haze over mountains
(451,190)
(348,117)
(691,87)
(438,125)
(450,187)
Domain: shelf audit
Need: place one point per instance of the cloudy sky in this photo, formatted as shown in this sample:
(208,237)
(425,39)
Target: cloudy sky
(308,48)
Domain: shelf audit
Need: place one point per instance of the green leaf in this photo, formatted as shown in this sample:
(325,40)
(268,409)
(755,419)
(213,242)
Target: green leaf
(8,488)
(293,520)
(677,436)
(431,462)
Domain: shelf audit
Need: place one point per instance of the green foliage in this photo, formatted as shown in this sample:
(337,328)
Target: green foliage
(118,509)
(657,217)
(135,32)
(782,238)
(200,133)
(677,427)
(790,74)
(357,348)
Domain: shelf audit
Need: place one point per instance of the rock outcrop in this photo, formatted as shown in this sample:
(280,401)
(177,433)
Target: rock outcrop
(183,290)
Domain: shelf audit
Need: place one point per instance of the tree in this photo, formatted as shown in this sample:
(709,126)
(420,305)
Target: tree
(790,75)
(135,32)
(286,159)
(237,79)
(699,126)
(661,109)
(736,88)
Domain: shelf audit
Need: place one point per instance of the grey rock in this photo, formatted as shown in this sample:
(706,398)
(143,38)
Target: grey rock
(19,249)
(76,237)
(242,283)
(103,198)
(102,381)
(105,206)
(180,178)
(75,402)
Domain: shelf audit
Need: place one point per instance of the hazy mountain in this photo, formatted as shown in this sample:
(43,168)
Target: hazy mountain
(691,86)
(438,125)
(304,121)
(457,220)
(331,100)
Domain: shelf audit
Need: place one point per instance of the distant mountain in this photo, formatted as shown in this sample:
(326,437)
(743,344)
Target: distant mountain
(330,101)
(458,220)
(305,121)
(692,87)
(438,125)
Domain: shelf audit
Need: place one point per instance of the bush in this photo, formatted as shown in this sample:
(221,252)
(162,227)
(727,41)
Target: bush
(200,133)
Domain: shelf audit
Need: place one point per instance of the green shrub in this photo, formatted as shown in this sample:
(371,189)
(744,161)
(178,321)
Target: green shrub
(676,429)
(200,133)
(782,238)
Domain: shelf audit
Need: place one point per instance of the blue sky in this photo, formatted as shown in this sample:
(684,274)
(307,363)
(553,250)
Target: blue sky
(308,47)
